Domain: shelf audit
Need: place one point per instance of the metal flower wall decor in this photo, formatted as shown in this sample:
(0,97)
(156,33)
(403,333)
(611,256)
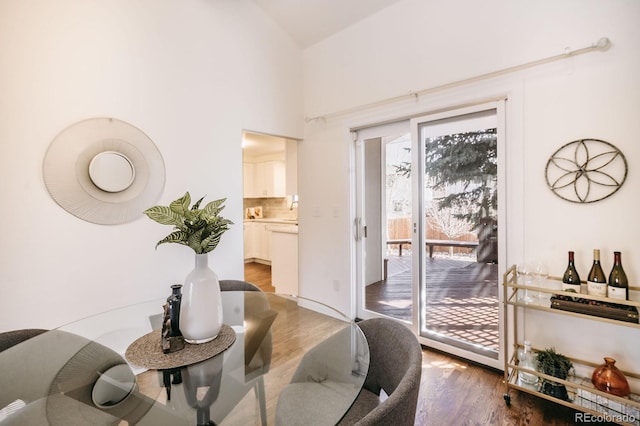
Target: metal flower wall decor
(586,171)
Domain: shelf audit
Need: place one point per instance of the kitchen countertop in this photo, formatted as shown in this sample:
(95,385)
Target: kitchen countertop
(289,228)
(274,220)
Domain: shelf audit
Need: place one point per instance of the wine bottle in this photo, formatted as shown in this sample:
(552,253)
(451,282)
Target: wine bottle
(571,279)
(596,282)
(618,287)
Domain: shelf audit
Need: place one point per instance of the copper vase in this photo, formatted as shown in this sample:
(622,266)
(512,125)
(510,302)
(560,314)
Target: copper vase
(608,378)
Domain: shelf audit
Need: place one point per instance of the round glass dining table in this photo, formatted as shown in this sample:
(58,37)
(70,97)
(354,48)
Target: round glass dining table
(290,356)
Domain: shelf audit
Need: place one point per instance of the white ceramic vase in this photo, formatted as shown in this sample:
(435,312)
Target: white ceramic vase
(201,305)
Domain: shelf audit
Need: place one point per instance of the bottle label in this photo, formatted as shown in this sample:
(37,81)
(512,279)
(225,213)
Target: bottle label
(617,292)
(597,289)
(571,287)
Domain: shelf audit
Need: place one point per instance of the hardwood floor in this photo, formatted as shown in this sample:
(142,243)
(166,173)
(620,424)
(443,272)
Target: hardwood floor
(453,391)
(260,275)
(285,358)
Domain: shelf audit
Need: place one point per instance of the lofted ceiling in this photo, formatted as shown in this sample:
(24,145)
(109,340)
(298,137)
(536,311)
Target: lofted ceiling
(311,21)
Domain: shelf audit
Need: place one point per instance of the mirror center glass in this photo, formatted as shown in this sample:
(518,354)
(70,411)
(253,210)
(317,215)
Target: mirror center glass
(111,171)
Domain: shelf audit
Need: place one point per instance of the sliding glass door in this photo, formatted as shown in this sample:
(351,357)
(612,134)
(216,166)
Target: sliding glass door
(427,228)
(384,223)
(458,216)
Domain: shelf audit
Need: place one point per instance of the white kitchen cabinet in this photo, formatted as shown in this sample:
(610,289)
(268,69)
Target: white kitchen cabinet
(249,241)
(264,242)
(257,242)
(264,179)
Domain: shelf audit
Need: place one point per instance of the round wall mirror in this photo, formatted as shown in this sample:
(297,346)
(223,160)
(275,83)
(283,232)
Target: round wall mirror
(111,171)
(104,170)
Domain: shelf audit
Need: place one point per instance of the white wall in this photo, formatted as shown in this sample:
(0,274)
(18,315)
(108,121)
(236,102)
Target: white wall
(417,44)
(191,74)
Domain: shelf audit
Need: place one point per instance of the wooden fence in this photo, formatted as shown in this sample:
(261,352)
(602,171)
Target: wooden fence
(400,228)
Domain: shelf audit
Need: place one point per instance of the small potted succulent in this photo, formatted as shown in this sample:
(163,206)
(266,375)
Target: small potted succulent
(557,365)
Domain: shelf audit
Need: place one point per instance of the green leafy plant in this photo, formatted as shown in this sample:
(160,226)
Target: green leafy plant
(557,365)
(554,364)
(200,229)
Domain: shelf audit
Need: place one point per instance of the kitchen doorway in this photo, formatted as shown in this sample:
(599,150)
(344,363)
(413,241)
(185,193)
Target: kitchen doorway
(270,205)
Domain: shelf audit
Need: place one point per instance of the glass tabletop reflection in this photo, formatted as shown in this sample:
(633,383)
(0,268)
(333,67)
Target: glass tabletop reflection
(78,373)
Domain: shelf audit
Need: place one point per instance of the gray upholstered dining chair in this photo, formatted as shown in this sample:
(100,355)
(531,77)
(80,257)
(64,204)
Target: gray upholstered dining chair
(237,285)
(395,367)
(258,320)
(13,337)
(258,342)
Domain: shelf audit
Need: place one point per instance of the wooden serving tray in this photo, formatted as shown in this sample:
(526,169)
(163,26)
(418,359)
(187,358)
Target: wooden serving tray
(596,308)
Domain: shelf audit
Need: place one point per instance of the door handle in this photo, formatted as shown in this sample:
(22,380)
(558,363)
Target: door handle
(361,231)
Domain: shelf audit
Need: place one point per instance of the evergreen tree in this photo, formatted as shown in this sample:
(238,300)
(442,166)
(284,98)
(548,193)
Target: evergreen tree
(465,163)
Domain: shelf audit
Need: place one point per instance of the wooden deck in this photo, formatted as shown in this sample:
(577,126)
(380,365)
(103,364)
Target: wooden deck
(461,298)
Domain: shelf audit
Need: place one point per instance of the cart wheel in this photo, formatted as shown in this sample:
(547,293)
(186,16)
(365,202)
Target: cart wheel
(507,399)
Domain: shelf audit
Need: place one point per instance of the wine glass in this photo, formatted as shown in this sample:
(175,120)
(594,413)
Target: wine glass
(540,274)
(525,278)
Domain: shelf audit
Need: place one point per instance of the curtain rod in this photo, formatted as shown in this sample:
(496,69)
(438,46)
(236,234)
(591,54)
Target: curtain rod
(602,44)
